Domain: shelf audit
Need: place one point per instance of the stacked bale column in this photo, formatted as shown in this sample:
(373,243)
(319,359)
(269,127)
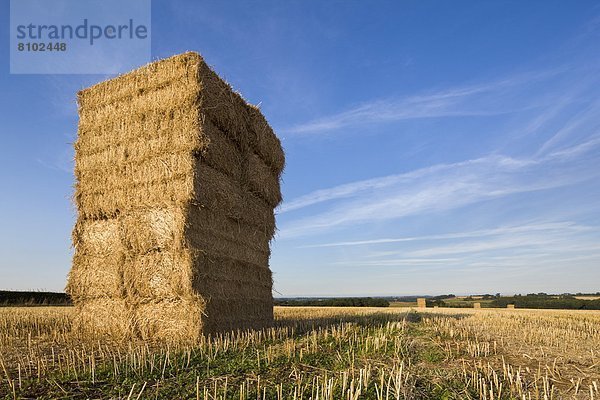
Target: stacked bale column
(181,177)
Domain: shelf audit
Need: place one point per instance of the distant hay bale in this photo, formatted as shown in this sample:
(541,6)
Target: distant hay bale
(476,305)
(177,178)
(421,302)
(511,306)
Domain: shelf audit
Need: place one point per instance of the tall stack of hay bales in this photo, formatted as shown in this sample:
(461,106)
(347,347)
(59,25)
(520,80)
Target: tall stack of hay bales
(177,178)
(421,302)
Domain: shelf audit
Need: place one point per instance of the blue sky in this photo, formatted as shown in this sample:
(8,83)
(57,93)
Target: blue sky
(432,147)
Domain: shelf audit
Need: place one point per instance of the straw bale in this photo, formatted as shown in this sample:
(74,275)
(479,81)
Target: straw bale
(97,237)
(166,275)
(177,177)
(220,276)
(223,267)
(222,153)
(262,182)
(220,104)
(150,229)
(105,203)
(152,171)
(222,247)
(168,181)
(94,277)
(264,141)
(169,320)
(104,316)
(232,114)
(421,302)
(156,137)
(232,314)
(182,81)
(144,79)
(117,117)
(217,192)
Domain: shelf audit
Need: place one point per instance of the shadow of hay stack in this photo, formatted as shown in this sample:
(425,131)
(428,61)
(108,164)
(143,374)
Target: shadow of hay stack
(177,178)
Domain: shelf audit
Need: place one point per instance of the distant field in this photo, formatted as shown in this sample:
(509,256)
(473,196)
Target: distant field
(315,353)
(462,302)
(402,304)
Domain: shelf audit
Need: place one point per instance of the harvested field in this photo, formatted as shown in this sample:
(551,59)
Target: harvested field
(311,353)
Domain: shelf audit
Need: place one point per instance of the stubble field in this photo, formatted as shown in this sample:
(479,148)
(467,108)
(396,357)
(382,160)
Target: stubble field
(315,353)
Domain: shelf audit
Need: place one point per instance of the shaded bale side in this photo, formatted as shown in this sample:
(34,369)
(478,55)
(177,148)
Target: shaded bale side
(224,267)
(165,275)
(221,105)
(243,122)
(202,220)
(217,192)
(221,246)
(222,315)
(174,321)
(219,288)
(222,153)
(262,182)
(219,276)
(112,317)
(238,295)
(265,143)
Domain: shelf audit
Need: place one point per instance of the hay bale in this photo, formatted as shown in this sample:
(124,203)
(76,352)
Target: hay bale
(176,320)
(510,306)
(104,317)
(177,178)
(476,305)
(421,302)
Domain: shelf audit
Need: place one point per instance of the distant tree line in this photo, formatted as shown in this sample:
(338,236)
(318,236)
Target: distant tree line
(335,302)
(565,301)
(13,298)
(543,300)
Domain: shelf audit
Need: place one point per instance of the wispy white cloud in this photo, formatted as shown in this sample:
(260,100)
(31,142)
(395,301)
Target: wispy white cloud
(527,245)
(484,99)
(561,227)
(584,124)
(354,188)
(439,188)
